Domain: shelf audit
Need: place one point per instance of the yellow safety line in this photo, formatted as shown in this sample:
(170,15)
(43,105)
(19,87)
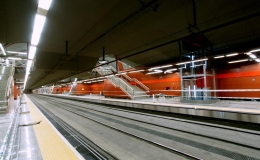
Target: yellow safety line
(52,146)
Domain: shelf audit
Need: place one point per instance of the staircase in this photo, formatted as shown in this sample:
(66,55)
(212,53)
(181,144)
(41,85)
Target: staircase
(121,81)
(6,77)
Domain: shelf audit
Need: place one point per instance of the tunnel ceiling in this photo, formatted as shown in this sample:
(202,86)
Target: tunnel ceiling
(123,28)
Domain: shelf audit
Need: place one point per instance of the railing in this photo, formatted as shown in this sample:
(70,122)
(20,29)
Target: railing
(71,88)
(9,81)
(6,149)
(136,81)
(116,81)
(132,91)
(132,79)
(125,87)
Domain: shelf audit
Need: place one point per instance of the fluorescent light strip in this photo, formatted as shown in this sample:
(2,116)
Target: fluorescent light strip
(28,66)
(2,48)
(242,60)
(197,60)
(233,54)
(16,58)
(16,52)
(44,4)
(252,56)
(166,66)
(219,57)
(37,28)
(174,69)
(256,50)
(25,79)
(257,60)
(154,72)
(160,67)
(32,51)
(136,71)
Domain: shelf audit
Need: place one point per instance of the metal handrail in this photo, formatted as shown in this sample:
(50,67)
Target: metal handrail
(137,81)
(117,82)
(9,81)
(141,84)
(132,79)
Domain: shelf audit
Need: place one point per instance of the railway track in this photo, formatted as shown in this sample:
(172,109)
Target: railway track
(83,110)
(96,151)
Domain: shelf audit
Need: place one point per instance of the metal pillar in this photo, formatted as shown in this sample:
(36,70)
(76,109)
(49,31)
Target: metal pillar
(214,83)
(181,83)
(205,81)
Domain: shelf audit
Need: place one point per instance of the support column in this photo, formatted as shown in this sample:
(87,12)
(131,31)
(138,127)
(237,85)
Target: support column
(15,91)
(205,80)
(181,83)
(214,82)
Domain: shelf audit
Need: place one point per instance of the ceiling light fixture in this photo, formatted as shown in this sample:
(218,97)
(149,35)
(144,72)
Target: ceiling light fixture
(219,57)
(233,54)
(32,51)
(160,67)
(136,71)
(15,58)
(174,69)
(258,60)
(256,50)
(170,70)
(252,56)
(197,60)
(242,60)
(44,4)
(28,66)
(2,48)
(37,28)
(16,52)
(155,72)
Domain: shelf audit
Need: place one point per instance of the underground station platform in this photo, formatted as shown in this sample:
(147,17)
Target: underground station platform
(130,80)
(53,126)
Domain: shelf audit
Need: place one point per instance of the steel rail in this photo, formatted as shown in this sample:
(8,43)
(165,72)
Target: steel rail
(197,134)
(135,136)
(175,119)
(75,135)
